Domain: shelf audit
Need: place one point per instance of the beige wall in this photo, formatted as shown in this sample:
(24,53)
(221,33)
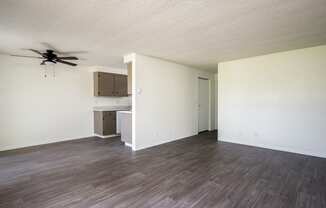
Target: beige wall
(276,101)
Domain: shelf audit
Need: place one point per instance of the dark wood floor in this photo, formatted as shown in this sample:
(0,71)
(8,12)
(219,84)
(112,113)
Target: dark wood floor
(193,172)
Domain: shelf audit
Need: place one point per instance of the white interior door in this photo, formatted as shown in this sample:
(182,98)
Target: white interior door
(203,104)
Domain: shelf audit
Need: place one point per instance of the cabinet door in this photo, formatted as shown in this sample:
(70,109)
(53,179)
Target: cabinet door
(109,123)
(98,122)
(105,84)
(120,85)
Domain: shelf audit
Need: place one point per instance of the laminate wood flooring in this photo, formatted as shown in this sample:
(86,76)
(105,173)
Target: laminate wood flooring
(189,173)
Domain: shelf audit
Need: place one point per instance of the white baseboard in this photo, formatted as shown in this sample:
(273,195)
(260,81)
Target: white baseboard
(106,136)
(52,141)
(163,142)
(278,148)
(128,145)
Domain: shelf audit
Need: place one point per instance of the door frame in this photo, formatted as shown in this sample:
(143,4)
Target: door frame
(209,103)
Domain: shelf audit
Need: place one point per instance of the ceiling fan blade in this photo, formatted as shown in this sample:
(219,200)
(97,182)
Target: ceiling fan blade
(35,51)
(72,52)
(25,56)
(51,47)
(66,62)
(68,58)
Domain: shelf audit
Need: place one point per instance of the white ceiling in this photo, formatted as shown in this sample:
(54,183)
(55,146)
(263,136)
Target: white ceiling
(198,33)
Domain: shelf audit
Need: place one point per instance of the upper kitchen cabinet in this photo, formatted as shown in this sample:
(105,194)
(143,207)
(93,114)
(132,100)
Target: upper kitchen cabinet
(109,84)
(121,85)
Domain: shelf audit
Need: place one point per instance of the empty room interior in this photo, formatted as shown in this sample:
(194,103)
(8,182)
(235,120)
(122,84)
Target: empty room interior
(163,104)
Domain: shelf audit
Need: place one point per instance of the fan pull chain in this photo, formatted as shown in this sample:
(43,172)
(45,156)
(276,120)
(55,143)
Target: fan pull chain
(45,70)
(53,70)
(48,69)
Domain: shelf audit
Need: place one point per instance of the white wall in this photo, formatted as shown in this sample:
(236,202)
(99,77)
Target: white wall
(216,100)
(36,110)
(276,101)
(166,105)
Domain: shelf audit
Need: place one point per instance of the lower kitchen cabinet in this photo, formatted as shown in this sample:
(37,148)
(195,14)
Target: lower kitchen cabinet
(105,122)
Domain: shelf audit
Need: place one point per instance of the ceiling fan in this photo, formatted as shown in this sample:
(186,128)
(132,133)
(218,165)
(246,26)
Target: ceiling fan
(50,56)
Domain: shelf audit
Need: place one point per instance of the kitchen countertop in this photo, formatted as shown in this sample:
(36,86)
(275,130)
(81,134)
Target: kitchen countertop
(112,108)
(129,111)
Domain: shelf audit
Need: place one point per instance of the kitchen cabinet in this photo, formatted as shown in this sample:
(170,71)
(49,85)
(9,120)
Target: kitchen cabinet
(105,122)
(109,84)
(121,85)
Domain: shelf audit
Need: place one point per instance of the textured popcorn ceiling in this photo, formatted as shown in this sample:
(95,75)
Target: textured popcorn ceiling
(198,33)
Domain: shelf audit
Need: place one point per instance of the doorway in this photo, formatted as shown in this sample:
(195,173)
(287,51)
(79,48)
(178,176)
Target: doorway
(203,104)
